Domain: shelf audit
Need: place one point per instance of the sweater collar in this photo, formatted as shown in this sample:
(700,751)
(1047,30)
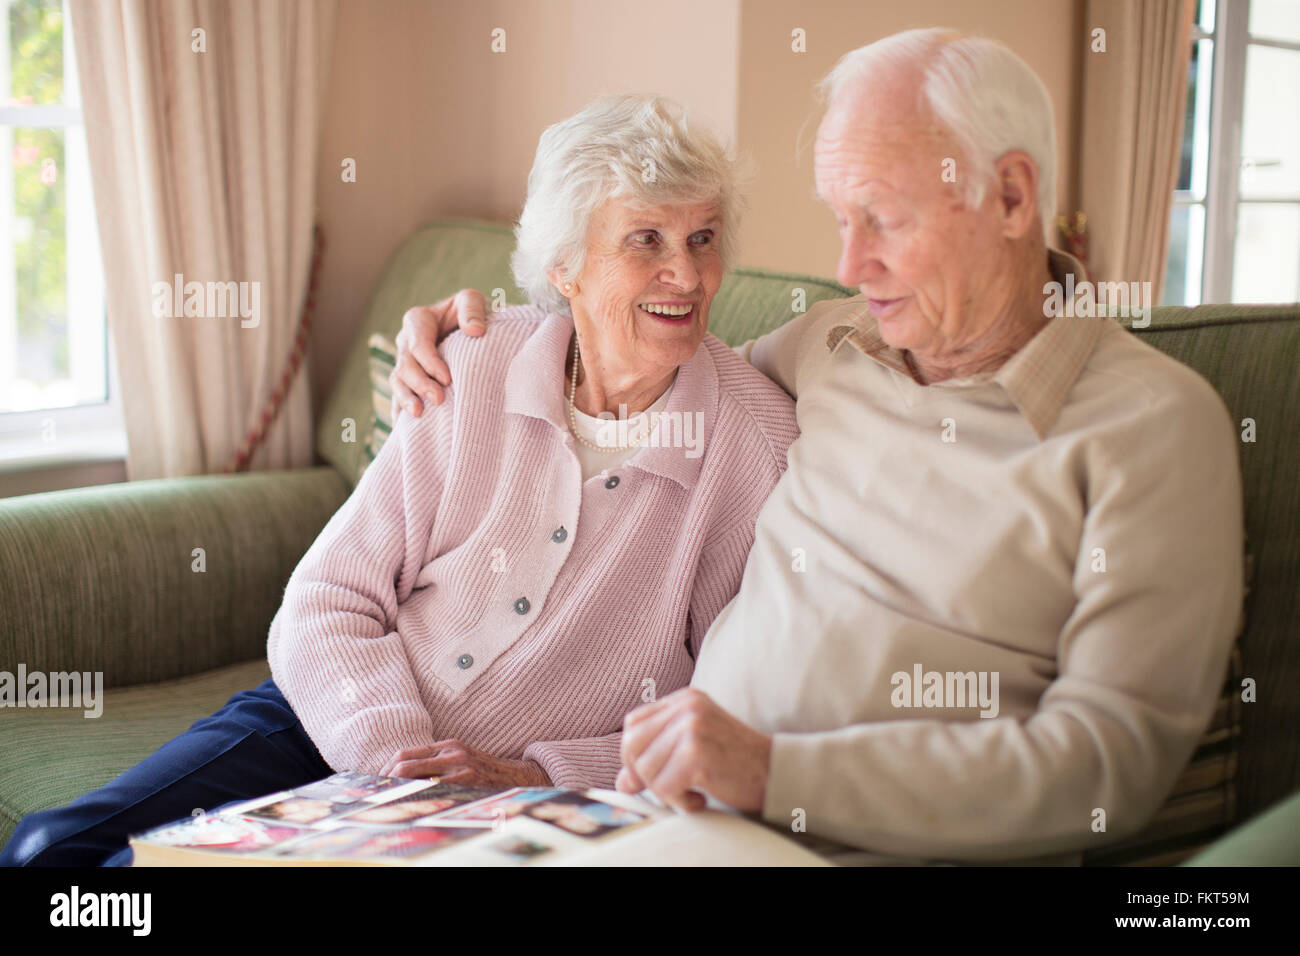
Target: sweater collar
(535,387)
(1038,378)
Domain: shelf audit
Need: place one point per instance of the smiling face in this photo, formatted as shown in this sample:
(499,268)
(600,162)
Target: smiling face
(641,302)
(937,275)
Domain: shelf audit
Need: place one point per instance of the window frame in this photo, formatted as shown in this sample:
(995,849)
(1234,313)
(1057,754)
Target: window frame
(20,428)
(1222,201)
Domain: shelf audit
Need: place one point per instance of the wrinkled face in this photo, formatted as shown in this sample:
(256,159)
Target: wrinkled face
(649,276)
(930,268)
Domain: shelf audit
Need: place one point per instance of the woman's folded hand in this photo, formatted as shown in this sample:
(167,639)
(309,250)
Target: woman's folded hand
(454,762)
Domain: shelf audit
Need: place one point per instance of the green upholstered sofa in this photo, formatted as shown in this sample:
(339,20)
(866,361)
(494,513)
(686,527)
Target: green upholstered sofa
(103,579)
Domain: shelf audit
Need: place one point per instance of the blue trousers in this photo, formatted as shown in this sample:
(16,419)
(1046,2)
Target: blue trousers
(252,746)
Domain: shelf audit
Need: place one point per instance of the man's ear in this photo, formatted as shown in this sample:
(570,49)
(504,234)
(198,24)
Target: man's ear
(1017,186)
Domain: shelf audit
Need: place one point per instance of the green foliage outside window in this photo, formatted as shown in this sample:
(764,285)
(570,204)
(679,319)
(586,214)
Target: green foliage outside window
(39,214)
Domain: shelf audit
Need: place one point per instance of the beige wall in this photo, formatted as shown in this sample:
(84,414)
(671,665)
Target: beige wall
(787,228)
(441,126)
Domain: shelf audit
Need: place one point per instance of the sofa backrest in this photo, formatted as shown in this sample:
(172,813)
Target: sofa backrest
(1251,354)
(448,255)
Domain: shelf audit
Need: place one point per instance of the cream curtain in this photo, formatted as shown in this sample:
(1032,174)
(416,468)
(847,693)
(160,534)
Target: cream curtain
(1134,97)
(202,120)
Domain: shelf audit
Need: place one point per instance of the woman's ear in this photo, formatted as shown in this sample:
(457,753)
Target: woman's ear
(567,287)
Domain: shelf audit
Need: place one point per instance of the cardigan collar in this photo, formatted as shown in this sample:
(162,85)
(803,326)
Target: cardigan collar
(535,387)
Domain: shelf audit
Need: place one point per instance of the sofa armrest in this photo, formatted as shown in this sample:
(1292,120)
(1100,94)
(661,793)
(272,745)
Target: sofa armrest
(1270,839)
(108,579)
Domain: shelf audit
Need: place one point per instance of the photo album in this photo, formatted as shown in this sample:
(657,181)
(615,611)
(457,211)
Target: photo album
(358,819)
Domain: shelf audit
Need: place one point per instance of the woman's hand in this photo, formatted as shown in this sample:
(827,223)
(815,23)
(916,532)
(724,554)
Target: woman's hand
(454,762)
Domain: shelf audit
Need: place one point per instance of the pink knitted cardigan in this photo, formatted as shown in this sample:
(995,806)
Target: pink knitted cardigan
(474,587)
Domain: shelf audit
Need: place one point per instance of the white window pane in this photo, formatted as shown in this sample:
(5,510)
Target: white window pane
(1186,256)
(1275,19)
(1205,15)
(1266,257)
(52,333)
(1193,165)
(87,322)
(1270,129)
(51,329)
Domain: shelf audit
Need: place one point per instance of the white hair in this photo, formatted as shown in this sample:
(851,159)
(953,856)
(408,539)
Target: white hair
(633,146)
(981,92)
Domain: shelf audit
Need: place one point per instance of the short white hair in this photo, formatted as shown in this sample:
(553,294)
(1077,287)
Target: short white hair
(639,147)
(986,96)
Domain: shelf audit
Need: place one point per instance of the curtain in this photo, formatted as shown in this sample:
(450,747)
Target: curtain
(202,119)
(1134,98)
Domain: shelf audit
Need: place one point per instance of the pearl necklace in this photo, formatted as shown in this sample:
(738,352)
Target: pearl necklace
(573,417)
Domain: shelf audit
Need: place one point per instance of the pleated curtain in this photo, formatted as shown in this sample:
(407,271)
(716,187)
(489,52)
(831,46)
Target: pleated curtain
(202,120)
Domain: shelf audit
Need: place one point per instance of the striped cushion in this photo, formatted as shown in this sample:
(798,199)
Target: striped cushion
(1202,805)
(383,358)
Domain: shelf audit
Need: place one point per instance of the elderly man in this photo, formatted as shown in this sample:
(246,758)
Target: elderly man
(989,607)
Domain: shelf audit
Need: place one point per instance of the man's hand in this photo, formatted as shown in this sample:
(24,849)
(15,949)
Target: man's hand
(686,743)
(420,370)
(454,762)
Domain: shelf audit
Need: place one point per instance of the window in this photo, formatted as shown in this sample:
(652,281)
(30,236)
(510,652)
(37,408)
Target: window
(54,358)
(1234,231)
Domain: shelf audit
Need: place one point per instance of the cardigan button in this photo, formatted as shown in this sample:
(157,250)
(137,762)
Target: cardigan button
(559,534)
(611,482)
(464,662)
(522,606)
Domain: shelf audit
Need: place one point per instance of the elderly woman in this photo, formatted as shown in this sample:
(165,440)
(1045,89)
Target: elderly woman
(539,554)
